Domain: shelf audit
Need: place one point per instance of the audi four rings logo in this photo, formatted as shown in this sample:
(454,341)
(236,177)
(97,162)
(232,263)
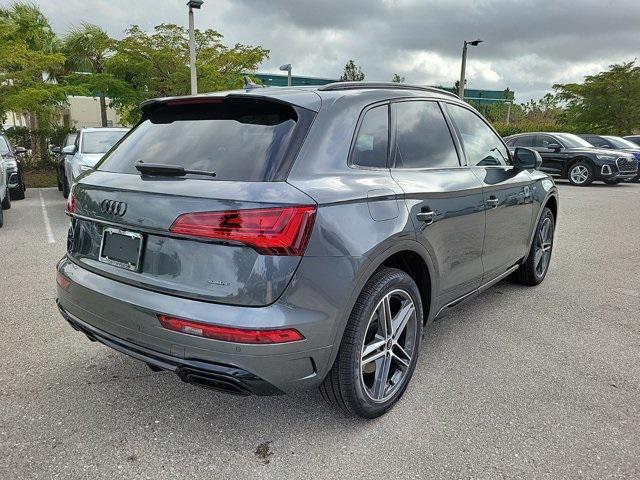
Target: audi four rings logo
(113,207)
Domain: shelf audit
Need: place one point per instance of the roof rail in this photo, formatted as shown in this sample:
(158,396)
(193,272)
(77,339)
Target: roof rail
(381,85)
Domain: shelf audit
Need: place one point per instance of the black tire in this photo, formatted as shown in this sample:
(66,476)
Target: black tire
(636,179)
(612,181)
(59,181)
(529,272)
(65,187)
(6,203)
(345,386)
(581,166)
(18,193)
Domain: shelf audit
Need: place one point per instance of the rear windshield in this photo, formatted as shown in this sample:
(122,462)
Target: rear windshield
(236,139)
(100,141)
(4,146)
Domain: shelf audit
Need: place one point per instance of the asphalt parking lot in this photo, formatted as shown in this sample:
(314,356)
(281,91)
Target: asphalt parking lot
(516,383)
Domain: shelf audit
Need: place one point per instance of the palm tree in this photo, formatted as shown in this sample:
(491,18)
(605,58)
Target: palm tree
(88,49)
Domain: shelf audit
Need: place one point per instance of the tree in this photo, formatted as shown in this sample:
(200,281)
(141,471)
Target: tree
(607,103)
(29,62)
(352,73)
(397,78)
(88,50)
(157,64)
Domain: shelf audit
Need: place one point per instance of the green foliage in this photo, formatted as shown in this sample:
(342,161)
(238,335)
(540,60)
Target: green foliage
(352,73)
(397,78)
(607,103)
(157,65)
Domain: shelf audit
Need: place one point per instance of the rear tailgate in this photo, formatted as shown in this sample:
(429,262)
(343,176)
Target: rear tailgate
(226,247)
(214,270)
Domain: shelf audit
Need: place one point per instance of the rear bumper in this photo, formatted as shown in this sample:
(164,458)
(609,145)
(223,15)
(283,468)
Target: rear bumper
(224,378)
(125,318)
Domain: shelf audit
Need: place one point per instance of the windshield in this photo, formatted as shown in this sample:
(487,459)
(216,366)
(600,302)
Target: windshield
(573,141)
(238,140)
(100,141)
(70,140)
(4,146)
(620,142)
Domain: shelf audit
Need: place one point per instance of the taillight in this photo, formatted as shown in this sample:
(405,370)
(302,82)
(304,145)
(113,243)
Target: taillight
(63,281)
(71,203)
(271,231)
(229,334)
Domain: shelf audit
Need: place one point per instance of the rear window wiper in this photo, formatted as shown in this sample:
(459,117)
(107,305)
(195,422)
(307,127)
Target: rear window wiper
(162,169)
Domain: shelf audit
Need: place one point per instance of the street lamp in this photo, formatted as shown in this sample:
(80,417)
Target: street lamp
(287,68)
(192,45)
(473,43)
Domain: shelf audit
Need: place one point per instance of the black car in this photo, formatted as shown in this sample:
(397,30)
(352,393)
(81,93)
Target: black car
(63,183)
(577,160)
(615,143)
(15,177)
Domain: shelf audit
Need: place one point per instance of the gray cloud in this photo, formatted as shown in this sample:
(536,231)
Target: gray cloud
(529,45)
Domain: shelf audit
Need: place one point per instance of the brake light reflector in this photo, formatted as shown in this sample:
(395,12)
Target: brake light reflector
(63,281)
(71,203)
(229,334)
(271,231)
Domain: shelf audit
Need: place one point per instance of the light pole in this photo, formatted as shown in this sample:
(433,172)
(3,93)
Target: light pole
(192,45)
(287,68)
(473,43)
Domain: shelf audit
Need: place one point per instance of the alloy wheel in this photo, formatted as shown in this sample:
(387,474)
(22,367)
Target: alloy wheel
(389,345)
(579,174)
(544,244)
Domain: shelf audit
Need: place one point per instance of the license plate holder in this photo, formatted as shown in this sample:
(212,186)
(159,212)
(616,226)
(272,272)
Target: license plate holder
(121,248)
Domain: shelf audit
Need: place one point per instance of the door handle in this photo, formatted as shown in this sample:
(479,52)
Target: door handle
(492,202)
(426,217)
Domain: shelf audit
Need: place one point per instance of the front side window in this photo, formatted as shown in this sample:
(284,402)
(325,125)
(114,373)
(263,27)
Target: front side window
(543,141)
(524,141)
(482,146)
(423,139)
(371,146)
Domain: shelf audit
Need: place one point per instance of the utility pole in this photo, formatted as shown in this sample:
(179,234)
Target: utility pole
(463,68)
(192,45)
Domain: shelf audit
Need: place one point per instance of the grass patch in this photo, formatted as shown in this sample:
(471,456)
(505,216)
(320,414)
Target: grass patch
(41,178)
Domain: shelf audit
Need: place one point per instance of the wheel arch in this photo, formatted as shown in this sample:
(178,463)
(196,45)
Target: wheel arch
(580,158)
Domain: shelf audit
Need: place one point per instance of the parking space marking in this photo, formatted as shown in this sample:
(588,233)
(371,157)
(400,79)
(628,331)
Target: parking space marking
(47,224)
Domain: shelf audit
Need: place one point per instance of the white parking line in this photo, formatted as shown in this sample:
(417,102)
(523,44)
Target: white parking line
(47,224)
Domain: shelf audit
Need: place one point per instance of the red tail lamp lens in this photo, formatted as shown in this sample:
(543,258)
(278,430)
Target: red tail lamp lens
(228,334)
(71,203)
(63,281)
(271,231)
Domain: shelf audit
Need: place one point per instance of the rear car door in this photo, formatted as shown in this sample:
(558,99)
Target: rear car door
(443,196)
(508,196)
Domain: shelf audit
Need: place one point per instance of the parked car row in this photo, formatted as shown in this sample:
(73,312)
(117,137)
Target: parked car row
(583,159)
(81,151)
(12,184)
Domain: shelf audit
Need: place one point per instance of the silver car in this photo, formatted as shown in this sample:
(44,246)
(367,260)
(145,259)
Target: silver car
(5,198)
(90,145)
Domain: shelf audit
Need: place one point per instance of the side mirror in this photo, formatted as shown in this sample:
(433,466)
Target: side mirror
(69,150)
(20,150)
(554,146)
(55,149)
(526,158)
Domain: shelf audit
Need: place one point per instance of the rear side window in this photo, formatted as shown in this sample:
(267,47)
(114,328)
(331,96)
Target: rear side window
(372,142)
(243,140)
(482,146)
(100,141)
(423,139)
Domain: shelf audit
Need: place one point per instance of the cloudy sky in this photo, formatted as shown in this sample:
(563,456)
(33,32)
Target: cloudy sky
(529,44)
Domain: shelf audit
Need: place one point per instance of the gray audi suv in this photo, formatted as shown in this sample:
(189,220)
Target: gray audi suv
(270,239)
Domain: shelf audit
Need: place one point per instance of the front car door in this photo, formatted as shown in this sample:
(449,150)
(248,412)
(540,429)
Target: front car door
(553,159)
(443,196)
(508,194)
